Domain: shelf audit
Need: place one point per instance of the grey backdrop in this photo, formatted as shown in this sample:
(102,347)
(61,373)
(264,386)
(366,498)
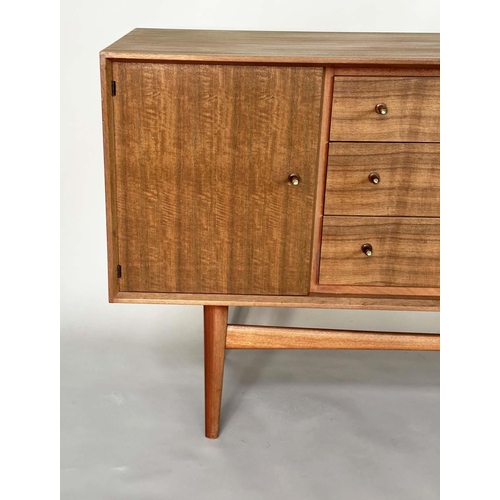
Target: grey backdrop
(132,404)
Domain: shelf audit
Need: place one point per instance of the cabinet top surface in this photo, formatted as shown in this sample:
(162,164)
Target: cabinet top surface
(277,47)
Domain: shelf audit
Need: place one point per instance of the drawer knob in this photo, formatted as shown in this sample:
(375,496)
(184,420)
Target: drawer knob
(381,108)
(294,179)
(374,178)
(367,249)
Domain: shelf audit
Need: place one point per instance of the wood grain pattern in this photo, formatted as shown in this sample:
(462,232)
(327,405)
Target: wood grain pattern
(339,300)
(409,179)
(277,47)
(215,323)
(270,337)
(106,69)
(321,179)
(405,251)
(413,109)
(203,155)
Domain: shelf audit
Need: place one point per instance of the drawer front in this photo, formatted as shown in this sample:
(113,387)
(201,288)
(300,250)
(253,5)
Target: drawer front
(405,251)
(383,179)
(412,105)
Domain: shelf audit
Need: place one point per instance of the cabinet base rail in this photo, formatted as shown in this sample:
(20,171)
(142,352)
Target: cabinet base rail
(220,336)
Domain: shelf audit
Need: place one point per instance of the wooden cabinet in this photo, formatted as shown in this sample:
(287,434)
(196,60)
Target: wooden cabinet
(273,169)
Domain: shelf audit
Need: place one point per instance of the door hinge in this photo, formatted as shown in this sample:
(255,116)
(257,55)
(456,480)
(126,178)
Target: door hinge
(118,271)
(113,87)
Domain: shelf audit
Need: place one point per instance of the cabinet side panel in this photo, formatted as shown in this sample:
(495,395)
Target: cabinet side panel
(109,173)
(203,158)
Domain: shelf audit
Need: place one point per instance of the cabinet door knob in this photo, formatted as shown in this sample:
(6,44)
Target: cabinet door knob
(381,108)
(367,249)
(294,179)
(374,178)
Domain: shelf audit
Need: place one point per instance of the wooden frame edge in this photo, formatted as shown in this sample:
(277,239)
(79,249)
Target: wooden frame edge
(313,301)
(106,71)
(278,60)
(323,149)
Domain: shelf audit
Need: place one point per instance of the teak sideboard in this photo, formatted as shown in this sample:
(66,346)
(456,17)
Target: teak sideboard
(273,169)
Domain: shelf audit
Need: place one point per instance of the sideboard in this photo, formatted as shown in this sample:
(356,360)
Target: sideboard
(280,169)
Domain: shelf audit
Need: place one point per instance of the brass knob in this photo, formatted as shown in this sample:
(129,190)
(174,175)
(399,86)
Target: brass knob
(367,249)
(374,178)
(294,179)
(381,108)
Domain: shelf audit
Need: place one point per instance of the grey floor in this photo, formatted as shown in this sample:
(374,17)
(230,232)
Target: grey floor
(295,425)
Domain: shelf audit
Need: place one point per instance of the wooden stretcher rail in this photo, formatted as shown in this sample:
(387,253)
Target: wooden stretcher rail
(269,337)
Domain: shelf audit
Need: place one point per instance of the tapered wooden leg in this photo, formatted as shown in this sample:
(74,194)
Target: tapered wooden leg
(215,319)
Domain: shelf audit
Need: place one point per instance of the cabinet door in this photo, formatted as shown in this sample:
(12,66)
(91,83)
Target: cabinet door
(203,158)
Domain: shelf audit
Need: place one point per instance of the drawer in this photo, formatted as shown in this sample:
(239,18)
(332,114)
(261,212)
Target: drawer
(398,179)
(405,251)
(412,105)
